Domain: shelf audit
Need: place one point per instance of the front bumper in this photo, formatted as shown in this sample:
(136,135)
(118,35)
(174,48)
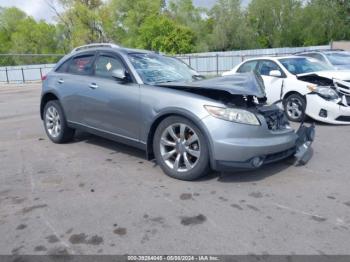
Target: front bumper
(238,146)
(336,114)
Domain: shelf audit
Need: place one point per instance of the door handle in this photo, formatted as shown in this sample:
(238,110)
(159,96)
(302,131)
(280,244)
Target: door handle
(93,86)
(61,81)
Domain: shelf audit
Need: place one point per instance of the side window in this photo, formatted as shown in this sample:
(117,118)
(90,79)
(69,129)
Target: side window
(63,68)
(320,57)
(265,67)
(247,67)
(81,65)
(105,65)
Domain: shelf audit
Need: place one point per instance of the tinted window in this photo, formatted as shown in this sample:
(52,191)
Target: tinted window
(265,67)
(247,67)
(81,65)
(105,65)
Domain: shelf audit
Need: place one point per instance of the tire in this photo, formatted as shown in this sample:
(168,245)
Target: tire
(54,117)
(190,157)
(294,107)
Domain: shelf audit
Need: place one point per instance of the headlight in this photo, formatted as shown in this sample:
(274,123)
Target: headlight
(233,115)
(324,91)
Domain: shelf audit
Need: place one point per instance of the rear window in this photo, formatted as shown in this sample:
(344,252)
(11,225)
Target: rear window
(81,65)
(64,67)
(247,67)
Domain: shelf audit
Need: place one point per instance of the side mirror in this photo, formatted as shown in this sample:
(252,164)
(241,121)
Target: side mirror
(120,74)
(275,73)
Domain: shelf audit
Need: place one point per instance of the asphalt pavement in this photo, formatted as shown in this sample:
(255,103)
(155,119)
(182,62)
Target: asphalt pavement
(95,196)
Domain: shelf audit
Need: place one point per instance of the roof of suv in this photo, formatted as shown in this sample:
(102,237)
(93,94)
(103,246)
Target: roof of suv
(109,47)
(272,57)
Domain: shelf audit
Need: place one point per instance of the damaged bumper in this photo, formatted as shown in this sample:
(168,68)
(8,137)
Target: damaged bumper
(327,111)
(250,147)
(306,136)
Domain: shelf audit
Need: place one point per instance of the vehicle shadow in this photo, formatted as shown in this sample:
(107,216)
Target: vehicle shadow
(115,147)
(238,176)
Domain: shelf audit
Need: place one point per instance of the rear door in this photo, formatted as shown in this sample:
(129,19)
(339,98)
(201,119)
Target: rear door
(111,105)
(71,81)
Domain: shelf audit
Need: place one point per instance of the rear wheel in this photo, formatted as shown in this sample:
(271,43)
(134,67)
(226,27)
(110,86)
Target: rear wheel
(294,106)
(181,149)
(55,123)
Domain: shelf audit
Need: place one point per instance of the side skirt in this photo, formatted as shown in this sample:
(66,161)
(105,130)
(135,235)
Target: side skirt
(109,135)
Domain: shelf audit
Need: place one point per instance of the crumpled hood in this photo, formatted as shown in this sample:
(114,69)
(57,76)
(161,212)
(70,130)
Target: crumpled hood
(330,74)
(246,84)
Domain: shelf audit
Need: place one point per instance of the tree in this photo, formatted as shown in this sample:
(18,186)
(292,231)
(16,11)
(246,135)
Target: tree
(80,22)
(127,16)
(161,33)
(229,28)
(276,22)
(324,21)
(9,19)
(195,18)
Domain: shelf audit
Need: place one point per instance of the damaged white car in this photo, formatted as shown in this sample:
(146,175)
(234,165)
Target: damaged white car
(306,87)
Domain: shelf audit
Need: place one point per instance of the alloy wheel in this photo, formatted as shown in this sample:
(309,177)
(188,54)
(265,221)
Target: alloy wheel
(180,147)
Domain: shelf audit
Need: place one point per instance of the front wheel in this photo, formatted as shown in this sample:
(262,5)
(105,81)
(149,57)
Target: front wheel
(294,106)
(181,149)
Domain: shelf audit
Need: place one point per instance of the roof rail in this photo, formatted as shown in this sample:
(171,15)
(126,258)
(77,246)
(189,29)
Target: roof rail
(94,45)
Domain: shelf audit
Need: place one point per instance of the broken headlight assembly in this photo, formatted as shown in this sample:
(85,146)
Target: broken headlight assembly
(324,91)
(233,115)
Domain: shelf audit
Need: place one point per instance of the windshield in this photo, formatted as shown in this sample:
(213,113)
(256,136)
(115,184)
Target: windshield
(156,69)
(341,58)
(303,65)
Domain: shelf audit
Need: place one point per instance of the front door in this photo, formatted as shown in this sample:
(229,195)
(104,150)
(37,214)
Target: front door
(112,105)
(273,84)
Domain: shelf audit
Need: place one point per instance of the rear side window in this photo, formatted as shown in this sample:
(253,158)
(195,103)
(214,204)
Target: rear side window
(64,67)
(247,67)
(81,65)
(105,65)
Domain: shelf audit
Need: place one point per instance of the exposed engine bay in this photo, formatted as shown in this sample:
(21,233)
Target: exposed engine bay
(242,91)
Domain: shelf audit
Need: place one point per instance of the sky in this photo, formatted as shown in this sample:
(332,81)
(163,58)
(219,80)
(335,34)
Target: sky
(40,9)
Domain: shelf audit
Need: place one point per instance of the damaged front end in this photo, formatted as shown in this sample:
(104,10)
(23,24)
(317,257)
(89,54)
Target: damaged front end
(276,121)
(247,92)
(334,98)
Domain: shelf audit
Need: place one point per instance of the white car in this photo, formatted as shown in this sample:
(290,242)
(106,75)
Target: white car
(305,86)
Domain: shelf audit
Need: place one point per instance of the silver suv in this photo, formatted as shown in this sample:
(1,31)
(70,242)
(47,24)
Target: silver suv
(337,58)
(159,104)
